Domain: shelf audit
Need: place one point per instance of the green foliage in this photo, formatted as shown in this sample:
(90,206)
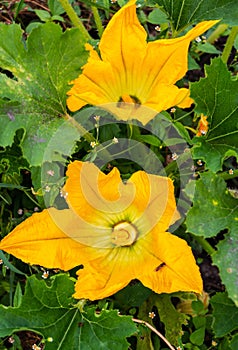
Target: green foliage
(225,314)
(214,99)
(183,13)
(35,97)
(173,319)
(214,210)
(50,310)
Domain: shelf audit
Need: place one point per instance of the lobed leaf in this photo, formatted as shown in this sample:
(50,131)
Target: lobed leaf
(214,210)
(216,96)
(183,13)
(224,309)
(34,82)
(51,311)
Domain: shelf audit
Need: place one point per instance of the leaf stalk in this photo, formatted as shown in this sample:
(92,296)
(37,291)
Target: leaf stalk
(229,44)
(75,19)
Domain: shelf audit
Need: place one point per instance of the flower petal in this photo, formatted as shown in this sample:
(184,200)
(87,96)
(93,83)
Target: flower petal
(160,260)
(104,200)
(94,85)
(154,202)
(163,96)
(123,44)
(172,62)
(51,239)
(111,272)
(178,272)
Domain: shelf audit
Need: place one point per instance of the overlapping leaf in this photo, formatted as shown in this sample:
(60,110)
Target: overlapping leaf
(214,210)
(216,96)
(186,12)
(34,83)
(224,309)
(51,311)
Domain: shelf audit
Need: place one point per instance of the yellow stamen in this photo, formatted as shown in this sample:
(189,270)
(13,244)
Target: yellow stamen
(124,234)
(127,98)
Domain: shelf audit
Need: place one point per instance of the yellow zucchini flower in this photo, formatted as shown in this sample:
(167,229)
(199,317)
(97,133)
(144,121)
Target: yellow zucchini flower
(132,71)
(117,230)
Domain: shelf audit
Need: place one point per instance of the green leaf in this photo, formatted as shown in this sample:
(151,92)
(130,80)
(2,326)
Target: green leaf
(207,47)
(234,342)
(36,95)
(226,258)
(183,13)
(216,96)
(43,15)
(211,200)
(17,296)
(197,337)
(214,209)
(225,314)
(55,7)
(172,319)
(8,264)
(50,310)
(157,17)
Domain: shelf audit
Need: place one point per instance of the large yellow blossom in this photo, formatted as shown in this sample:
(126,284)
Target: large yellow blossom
(132,71)
(116,230)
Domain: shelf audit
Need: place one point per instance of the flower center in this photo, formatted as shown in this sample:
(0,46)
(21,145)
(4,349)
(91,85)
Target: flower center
(128,99)
(124,234)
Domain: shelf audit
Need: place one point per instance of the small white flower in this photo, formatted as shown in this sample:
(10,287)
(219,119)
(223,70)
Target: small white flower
(51,172)
(20,211)
(151,315)
(45,275)
(174,156)
(47,188)
(115,140)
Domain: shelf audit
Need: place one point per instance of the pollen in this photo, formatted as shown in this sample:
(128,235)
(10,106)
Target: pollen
(124,234)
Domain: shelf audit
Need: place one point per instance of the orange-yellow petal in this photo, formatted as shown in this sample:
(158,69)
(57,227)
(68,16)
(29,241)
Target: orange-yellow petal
(130,69)
(123,44)
(164,96)
(160,260)
(104,199)
(166,59)
(178,272)
(46,239)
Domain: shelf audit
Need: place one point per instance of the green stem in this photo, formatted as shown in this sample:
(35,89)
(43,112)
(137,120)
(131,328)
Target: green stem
(204,243)
(75,19)
(82,131)
(217,33)
(97,20)
(229,44)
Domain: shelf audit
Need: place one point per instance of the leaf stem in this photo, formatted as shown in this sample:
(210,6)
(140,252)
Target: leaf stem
(83,132)
(216,33)
(155,331)
(229,44)
(204,243)
(75,19)
(97,20)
